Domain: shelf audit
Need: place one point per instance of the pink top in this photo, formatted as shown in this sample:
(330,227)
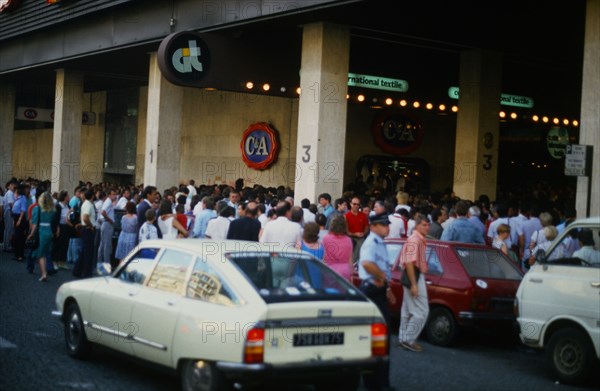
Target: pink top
(338,250)
(414,251)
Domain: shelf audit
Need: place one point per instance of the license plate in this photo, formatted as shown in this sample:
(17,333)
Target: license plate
(318,339)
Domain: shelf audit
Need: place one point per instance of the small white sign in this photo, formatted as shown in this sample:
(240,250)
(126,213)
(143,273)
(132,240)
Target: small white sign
(575,160)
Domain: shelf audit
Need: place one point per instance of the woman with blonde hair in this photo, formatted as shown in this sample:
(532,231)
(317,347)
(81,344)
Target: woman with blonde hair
(41,220)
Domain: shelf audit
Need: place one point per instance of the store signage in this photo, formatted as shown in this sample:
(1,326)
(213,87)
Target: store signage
(183,58)
(397,133)
(505,99)
(260,146)
(47,115)
(557,140)
(376,82)
(8,5)
(578,160)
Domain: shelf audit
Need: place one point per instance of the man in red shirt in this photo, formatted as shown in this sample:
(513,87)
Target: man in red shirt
(358,225)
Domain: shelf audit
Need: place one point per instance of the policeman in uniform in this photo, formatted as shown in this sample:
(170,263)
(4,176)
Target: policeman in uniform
(374,272)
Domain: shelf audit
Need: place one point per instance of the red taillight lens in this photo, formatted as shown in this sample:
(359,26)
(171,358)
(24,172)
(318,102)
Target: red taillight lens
(254,347)
(379,339)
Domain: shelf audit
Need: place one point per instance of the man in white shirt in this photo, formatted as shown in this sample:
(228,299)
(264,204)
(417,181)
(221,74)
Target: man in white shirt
(282,230)
(125,197)
(218,227)
(587,252)
(9,201)
(106,231)
(84,267)
(308,216)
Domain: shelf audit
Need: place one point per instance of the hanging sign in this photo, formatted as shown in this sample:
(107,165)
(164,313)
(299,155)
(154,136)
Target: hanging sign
(557,140)
(183,58)
(260,146)
(377,82)
(47,115)
(505,99)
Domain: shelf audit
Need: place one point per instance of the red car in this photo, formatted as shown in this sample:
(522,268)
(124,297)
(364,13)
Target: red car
(466,284)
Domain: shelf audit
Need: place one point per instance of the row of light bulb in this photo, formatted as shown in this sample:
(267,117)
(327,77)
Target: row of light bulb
(429,106)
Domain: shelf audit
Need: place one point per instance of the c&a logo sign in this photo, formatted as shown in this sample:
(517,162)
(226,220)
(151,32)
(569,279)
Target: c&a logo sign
(260,146)
(397,133)
(183,58)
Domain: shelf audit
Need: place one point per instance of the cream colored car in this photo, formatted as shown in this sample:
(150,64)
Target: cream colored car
(558,302)
(227,312)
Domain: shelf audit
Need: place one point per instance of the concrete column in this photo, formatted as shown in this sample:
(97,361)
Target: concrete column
(322,111)
(7,128)
(66,140)
(477,126)
(163,130)
(589,133)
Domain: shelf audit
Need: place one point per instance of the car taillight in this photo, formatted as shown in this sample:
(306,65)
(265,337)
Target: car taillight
(479,305)
(379,339)
(254,347)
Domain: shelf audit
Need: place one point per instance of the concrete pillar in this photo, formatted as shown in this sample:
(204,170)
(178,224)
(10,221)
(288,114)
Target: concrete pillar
(322,111)
(163,130)
(66,140)
(477,126)
(589,133)
(7,128)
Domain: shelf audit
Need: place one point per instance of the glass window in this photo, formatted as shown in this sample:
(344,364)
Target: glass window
(171,271)
(293,277)
(433,261)
(434,267)
(487,263)
(139,266)
(208,285)
(577,247)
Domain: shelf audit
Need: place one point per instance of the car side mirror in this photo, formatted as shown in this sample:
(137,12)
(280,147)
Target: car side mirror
(540,256)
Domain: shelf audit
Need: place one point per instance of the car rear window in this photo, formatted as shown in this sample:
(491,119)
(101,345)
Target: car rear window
(487,263)
(293,277)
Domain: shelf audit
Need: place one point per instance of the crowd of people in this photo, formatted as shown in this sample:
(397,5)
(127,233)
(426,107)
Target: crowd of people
(76,231)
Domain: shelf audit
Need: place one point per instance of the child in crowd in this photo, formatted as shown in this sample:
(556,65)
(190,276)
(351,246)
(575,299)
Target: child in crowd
(148,230)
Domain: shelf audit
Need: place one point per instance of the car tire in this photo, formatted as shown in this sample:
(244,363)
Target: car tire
(202,377)
(570,355)
(76,340)
(349,382)
(441,328)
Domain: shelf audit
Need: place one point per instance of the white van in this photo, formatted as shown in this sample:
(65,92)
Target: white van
(558,302)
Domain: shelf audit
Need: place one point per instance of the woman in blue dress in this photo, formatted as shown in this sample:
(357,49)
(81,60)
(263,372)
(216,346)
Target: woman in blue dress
(128,236)
(41,220)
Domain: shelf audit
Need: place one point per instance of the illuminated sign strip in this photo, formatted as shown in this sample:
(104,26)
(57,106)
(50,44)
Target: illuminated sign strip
(505,99)
(377,83)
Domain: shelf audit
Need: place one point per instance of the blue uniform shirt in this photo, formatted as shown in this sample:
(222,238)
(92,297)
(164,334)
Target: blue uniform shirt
(374,250)
(20,205)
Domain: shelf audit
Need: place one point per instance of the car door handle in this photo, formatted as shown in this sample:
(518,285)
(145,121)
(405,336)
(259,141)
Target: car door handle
(171,303)
(538,280)
(131,294)
(595,284)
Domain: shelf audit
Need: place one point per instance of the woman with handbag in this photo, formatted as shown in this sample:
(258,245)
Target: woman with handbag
(41,222)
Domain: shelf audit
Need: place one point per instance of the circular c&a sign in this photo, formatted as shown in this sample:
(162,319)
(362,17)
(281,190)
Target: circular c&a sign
(397,133)
(260,146)
(183,58)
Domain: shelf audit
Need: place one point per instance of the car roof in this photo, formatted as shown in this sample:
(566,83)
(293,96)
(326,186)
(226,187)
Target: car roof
(443,243)
(588,221)
(214,247)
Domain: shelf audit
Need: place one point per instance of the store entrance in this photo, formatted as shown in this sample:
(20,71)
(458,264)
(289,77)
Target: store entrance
(381,176)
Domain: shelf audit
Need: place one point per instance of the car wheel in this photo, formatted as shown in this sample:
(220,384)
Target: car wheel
(76,340)
(570,355)
(349,382)
(198,375)
(441,327)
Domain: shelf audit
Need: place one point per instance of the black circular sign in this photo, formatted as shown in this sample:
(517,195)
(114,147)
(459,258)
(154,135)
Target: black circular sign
(183,58)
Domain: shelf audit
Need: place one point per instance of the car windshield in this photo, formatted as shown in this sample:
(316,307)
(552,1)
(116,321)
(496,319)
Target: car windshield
(293,277)
(487,263)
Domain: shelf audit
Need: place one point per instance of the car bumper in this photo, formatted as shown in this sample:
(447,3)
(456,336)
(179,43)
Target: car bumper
(298,371)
